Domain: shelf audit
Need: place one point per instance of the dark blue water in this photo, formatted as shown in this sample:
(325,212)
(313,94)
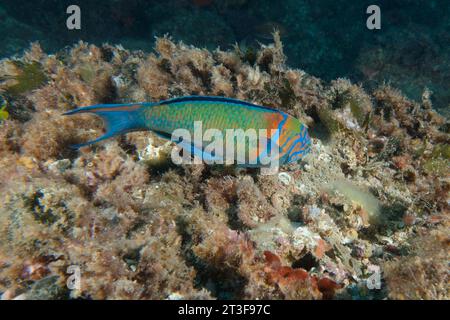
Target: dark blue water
(328,38)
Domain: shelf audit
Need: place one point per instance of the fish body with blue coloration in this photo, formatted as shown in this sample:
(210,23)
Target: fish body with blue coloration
(286,133)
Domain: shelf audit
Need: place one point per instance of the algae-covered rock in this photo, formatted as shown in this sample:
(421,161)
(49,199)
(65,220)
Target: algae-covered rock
(48,288)
(141,227)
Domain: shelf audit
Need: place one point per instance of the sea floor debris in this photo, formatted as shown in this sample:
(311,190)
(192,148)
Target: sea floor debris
(372,195)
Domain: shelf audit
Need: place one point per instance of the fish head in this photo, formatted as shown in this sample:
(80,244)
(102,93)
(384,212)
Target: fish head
(295,141)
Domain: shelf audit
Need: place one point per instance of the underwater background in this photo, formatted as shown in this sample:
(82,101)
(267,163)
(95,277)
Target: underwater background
(365,215)
(327,38)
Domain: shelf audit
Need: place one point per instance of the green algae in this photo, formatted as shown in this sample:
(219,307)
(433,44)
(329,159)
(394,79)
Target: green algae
(438,166)
(327,117)
(347,98)
(286,94)
(40,213)
(439,162)
(441,151)
(30,77)
(3,113)
(357,110)
(87,73)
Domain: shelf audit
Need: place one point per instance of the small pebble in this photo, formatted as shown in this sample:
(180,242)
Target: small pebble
(284,178)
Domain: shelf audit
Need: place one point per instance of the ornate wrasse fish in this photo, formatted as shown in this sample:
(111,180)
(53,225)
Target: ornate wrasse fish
(286,133)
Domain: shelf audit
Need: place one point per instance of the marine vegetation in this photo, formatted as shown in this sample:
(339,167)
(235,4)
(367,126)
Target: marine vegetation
(372,194)
(3,112)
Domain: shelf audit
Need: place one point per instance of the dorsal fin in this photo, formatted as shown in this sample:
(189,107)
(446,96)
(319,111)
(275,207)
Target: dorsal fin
(217,99)
(162,134)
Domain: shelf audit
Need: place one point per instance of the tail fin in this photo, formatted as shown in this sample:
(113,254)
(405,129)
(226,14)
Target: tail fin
(118,119)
